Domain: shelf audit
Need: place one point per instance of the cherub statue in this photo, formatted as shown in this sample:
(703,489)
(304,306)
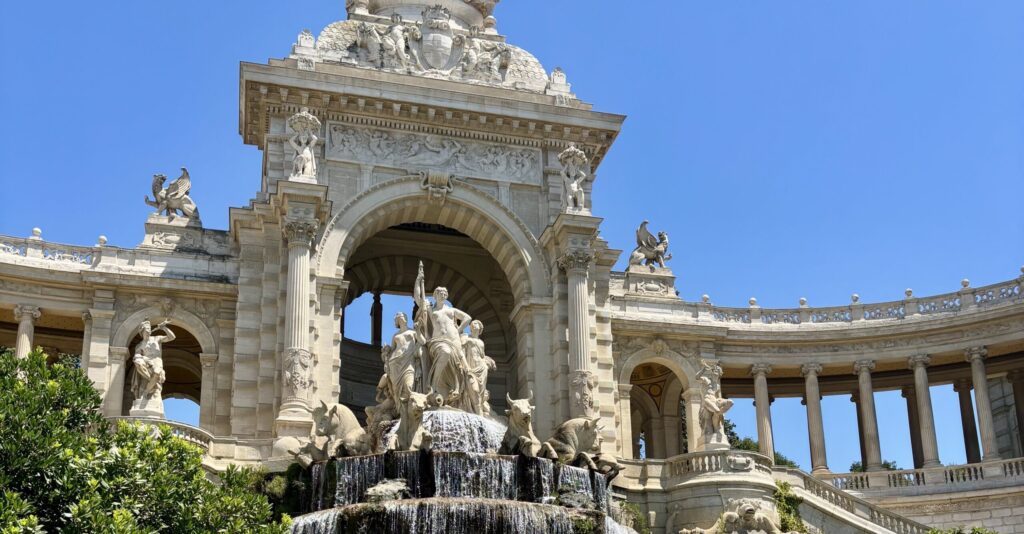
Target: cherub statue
(175,197)
(305,126)
(650,251)
(573,161)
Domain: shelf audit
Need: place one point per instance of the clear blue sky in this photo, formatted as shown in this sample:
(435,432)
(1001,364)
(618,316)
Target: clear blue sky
(791,149)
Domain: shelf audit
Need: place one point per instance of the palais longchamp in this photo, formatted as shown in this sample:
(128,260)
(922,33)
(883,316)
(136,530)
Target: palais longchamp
(411,150)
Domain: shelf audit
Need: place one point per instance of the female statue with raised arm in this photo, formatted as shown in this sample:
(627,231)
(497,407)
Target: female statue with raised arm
(447,358)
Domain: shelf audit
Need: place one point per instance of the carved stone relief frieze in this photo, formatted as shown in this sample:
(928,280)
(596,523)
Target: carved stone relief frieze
(433,152)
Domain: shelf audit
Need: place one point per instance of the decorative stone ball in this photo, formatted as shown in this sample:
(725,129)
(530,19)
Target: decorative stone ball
(909,292)
(37,232)
(706,299)
(965,283)
(752,301)
(102,240)
(803,301)
(854,298)
(490,22)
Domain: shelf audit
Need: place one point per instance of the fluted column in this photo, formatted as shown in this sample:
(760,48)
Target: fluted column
(929,444)
(576,262)
(1016,379)
(915,426)
(872,448)
(297,373)
(815,425)
(963,390)
(26,316)
(763,404)
(989,445)
(208,391)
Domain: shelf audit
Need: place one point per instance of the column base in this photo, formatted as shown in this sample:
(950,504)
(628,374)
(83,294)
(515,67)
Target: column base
(820,471)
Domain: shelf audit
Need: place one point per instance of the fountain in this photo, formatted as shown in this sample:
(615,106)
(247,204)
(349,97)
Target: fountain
(435,459)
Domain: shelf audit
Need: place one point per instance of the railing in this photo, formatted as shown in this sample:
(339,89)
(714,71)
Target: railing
(1013,468)
(856,506)
(189,433)
(952,475)
(849,481)
(698,463)
(36,248)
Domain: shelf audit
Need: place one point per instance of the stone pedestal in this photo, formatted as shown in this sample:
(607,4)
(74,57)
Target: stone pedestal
(153,408)
(650,281)
(173,233)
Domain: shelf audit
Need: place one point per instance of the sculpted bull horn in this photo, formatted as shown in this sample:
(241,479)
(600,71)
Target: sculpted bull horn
(529,396)
(508,399)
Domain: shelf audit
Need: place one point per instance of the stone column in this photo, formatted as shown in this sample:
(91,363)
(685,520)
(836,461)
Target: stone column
(915,425)
(625,421)
(872,448)
(855,399)
(989,445)
(963,390)
(377,320)
(1016,379)
(815,426)
(208,391)
(26,316)
(576,262)
(113,404)
(294,417)
(763,406)
(670,428)
(929,445)
(83,361)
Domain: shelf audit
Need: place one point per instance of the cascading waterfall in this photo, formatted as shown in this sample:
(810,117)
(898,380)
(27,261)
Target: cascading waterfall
(355,475)
(467,474)
(460,486)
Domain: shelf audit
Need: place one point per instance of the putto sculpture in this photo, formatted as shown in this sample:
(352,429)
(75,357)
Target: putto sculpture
(173,199)
(573,162)
(305,127)
(148,376)
(650,251)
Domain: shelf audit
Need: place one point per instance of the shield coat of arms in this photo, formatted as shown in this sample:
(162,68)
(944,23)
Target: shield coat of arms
(438,37)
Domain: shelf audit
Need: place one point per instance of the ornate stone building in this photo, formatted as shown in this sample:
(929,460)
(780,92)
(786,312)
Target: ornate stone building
(413,131)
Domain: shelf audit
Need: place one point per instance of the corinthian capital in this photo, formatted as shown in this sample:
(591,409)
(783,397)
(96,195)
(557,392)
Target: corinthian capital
(919,360)
(577,259)
(760,368)
(810,369)
(23,312)
(975,353)
(863,365)
(300,231)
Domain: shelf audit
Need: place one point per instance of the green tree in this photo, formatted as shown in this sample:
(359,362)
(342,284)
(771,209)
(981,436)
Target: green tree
(888,465)
(63,468)
(749,444)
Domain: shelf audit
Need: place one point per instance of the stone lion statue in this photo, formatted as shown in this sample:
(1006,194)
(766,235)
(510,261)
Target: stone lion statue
(742,516)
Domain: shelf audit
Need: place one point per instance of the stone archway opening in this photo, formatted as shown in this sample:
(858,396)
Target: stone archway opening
(656,400)
(181,364)
(381,274)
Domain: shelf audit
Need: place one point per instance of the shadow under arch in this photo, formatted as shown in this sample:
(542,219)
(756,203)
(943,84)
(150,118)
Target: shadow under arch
(466,209)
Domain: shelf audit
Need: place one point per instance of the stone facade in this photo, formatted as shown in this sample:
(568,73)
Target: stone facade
(412,131)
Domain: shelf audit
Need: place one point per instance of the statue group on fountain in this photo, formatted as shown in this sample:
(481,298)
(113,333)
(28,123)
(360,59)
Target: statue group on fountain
(435,357)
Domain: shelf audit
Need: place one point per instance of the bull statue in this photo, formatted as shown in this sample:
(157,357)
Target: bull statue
(574,442)
(519,437)
(410,434)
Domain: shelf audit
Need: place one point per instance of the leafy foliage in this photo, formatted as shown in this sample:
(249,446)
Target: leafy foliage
(63,468)
(748,444)
(787,504)
(888,465)
(637,520)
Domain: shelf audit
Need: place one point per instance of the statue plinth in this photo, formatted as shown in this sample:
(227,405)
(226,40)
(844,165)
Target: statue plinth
(151,408)
(177,233)
(650,281)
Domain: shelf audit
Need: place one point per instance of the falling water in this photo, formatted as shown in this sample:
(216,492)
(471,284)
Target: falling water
(468,474)
(611,527)
(600,485)
(324,522)
(574,486)
(317,483)
(413,467)
(356,474)
(536,479)
(463,432)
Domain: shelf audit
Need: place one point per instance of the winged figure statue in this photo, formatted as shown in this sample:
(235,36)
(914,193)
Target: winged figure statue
(650,250)
(174,198)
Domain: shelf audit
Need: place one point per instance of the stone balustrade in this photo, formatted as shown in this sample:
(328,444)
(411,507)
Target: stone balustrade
(102,258)
(189,433)
(942,478)
(965,300)
(684,467)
